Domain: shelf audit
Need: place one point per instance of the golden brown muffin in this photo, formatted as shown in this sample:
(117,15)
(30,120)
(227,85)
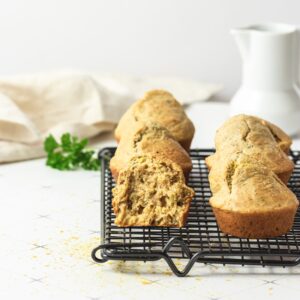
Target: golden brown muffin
(252,129)
(152,139)
(151,192)
(257,138)
(160,107)
(249,200)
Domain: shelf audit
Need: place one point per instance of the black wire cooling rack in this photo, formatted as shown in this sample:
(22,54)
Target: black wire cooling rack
(200,240)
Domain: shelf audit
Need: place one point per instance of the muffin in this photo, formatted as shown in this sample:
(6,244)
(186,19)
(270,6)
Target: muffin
(151,192)
(249,200)
(257,138)
(150,138)
(248,176)
(160,107)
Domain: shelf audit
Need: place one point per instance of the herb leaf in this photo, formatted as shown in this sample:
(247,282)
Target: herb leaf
(70,153)
(50,144)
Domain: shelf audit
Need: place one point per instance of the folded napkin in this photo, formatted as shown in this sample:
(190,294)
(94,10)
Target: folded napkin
(33,106)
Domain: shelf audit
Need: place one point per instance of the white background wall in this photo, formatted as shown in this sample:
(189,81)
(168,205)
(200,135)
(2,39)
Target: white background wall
(188,38)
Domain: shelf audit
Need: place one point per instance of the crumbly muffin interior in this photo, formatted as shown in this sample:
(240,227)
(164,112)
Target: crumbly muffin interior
(151,192)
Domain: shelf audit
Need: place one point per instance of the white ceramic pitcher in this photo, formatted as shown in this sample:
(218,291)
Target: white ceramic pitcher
(270,56)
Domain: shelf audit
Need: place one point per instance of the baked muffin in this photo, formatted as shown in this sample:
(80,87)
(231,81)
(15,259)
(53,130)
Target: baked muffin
(153,139)
(249,200)
(261,140)
(151,192)
(160,107)
(250,129)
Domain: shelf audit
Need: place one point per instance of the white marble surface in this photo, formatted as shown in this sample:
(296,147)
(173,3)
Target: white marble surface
(49,222)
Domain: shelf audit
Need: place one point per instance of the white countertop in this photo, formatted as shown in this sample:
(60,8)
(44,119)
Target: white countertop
(49,223)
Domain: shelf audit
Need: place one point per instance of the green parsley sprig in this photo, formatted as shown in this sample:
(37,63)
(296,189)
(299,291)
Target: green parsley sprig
(70,153)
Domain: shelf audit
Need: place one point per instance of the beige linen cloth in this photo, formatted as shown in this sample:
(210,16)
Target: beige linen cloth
(33,106)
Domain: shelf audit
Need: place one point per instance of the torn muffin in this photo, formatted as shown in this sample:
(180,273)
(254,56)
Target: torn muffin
(151,192)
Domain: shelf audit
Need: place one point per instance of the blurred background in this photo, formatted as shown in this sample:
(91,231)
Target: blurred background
(182,38)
